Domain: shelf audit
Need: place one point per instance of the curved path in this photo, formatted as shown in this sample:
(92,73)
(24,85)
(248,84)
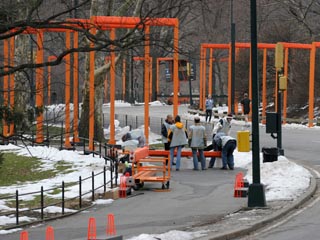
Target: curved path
(196,197)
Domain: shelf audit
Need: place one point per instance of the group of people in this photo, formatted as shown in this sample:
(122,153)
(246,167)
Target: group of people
(175,136)
(245,103)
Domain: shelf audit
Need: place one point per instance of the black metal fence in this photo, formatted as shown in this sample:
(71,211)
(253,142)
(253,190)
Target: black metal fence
(82,200)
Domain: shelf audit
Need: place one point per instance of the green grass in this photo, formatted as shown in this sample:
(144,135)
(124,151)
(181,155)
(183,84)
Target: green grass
(19,169)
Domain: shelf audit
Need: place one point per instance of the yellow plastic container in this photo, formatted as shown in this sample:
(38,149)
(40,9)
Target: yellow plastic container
(243,141)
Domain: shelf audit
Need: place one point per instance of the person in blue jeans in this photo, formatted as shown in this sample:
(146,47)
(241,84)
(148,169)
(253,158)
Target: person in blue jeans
(209,106)
(197,142)
(177,136)
(229,144)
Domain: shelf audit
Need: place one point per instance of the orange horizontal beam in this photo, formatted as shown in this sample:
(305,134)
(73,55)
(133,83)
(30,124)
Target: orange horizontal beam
(166,153)
(238,45)
(296,45)
(165,58)
(138,58)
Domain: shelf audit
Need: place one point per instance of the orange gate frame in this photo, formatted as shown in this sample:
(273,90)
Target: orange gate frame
(265,46)
(40,83)
(107,23)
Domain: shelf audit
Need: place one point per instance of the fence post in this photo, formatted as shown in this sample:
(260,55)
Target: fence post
(62,197)
(32,137)
(111,173)
(104,179)
(80,192)
(116,171)
(100,149)
(126,117)
(42,202)
(17,207)
(92,198)
(136,121)
(105,149)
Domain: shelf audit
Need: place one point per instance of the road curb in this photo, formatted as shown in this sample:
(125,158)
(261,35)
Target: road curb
(279,214)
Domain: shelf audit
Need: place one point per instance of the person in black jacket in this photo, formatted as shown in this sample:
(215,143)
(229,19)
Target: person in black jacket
(164,131)
(245,102)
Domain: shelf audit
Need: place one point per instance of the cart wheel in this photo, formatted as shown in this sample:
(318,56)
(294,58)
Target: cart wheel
(137,186)
(168,184)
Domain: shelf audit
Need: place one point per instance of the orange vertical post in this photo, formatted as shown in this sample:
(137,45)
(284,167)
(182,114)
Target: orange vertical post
(5,82)
(157,75)
(175,67)
(91,94)
(123,79)
(146,82)
(39,88)
(201,79)
(67,92)
(210,71)
(285,93)
(264,85)
(112,87)
(229,80)
(75,88)
(311,83)
(11,52)
(204,76)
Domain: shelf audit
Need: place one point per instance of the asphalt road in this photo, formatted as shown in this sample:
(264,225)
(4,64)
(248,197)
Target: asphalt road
(302,146)
(194,199)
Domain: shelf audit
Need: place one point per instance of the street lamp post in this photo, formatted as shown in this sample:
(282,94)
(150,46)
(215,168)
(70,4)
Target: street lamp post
(256,197)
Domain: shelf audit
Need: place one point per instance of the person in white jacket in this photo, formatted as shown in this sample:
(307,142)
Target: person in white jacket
(228,145)
(222,127)
(197,142)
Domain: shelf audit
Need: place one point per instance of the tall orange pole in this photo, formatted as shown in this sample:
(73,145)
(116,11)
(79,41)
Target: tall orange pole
(229,79)
(285,93)
(39,88)
(112,87)
(204,76)
(157,76)
(264,85)
(201,79)
(75,88)
(91,94)
(210,71)
(311,83)
(146,82)
(123,79)
(5,82)
(11,130)
(67,92)
(175,67)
